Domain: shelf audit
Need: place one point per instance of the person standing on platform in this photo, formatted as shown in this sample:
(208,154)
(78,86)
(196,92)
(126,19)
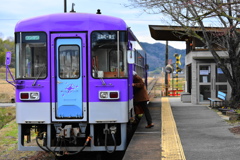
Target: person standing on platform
(141,97)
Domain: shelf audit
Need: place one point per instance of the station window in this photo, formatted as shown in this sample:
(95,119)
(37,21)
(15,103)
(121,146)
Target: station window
(108,55)
(220,77)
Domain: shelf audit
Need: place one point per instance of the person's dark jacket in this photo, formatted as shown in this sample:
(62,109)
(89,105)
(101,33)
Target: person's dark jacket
(140,91)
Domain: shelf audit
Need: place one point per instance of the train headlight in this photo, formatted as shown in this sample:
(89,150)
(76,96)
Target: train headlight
(103,95)
(29,96)
(108,95)
(34,96)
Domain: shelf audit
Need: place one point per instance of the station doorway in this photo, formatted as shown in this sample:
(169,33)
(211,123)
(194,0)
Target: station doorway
(210,80)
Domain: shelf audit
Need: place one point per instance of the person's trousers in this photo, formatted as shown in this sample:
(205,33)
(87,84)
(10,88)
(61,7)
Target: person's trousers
(146,111)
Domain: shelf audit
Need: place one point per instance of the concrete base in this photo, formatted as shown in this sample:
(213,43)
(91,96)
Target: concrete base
(186,97)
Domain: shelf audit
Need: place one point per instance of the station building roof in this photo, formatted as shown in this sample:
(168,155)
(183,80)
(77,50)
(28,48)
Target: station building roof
(172,33)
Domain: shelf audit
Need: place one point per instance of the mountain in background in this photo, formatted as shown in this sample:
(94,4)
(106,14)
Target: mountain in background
(156,55)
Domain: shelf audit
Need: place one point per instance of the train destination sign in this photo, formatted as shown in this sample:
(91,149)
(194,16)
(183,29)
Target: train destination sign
(32,38)
(106,36)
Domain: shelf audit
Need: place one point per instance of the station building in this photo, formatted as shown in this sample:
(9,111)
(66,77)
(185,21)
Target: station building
(203,77)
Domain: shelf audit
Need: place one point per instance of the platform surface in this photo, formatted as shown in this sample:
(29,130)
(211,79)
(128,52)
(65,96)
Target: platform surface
(183,131)
(145,143)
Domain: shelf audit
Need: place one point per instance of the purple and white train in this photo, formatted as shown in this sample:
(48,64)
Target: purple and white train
(73,82)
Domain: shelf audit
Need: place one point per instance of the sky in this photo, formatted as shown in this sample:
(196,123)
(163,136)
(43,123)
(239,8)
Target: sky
(12,11)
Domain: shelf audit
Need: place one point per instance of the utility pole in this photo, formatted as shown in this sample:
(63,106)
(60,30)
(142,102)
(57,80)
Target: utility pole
(65,6)
(166,74)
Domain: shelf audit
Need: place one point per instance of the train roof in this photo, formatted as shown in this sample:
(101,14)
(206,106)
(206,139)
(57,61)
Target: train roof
(62,22)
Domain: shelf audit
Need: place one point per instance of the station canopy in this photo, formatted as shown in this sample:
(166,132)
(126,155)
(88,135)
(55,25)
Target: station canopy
(173,33)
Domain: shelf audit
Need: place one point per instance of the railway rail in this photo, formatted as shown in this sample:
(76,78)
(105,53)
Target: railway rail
(151,84)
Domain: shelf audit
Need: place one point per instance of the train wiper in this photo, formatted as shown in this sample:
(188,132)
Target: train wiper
(42,68)
(103,82)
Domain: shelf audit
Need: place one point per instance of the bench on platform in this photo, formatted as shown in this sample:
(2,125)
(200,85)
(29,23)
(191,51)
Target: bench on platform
(221,97)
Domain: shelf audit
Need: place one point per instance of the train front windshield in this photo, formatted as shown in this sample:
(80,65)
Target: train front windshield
(108,55)
(31,55)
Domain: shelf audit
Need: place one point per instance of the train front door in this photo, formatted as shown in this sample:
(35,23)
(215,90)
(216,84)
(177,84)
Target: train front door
(69,76)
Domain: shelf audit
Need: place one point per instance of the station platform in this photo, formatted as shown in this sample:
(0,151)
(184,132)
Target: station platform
(183,131)
(145,143)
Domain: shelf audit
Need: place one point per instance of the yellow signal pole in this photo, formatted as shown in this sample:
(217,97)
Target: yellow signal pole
(177,69)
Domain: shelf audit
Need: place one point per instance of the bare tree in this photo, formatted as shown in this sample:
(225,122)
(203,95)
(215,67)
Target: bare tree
(224,15)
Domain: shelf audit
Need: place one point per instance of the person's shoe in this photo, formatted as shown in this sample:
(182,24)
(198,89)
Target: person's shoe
(150,125)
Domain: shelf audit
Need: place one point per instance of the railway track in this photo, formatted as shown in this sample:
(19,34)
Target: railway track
(151,84)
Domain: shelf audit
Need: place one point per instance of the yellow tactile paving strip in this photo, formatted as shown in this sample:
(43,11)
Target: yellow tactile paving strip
(171,143)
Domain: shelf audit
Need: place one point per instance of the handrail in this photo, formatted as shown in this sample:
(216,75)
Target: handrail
(13,82)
